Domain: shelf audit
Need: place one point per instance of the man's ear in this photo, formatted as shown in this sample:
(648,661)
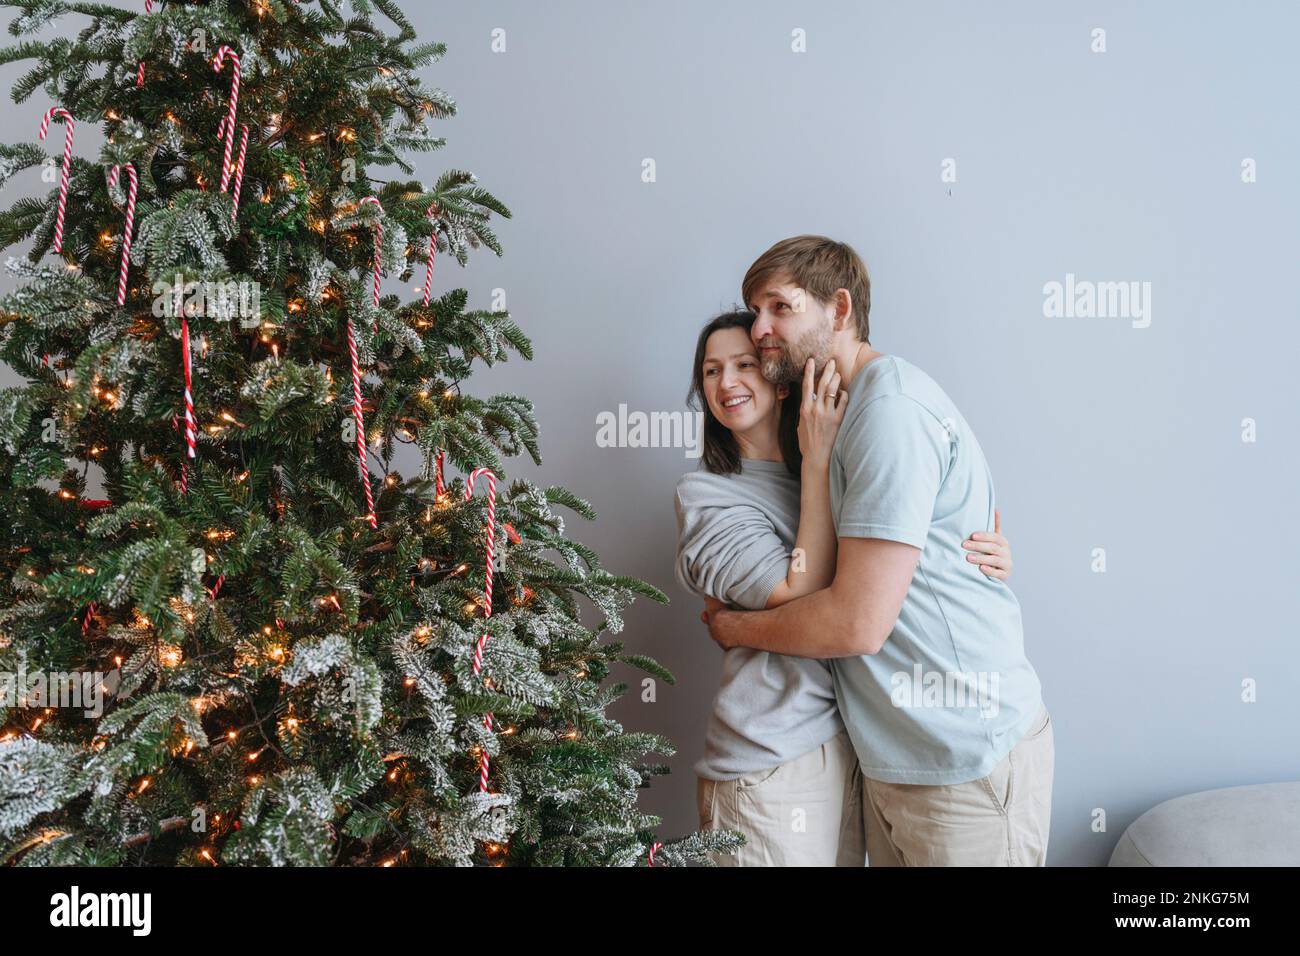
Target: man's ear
(842,303)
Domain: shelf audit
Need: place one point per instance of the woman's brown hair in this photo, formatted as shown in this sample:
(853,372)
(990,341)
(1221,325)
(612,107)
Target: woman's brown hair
(720,452)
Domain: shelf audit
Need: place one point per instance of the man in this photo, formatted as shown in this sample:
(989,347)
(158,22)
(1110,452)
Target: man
(942,706)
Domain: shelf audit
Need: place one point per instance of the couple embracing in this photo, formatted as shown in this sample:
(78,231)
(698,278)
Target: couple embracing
(876,704)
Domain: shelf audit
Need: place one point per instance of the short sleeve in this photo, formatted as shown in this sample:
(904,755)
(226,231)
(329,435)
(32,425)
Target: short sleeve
(894,456)
(727,550)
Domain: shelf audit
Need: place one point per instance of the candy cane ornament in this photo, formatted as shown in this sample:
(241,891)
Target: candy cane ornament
(139,74)
(239,173)
(70,125)
(487,593)
(190,430)
(132,189)
(428,288)
(358,414)
(433,250)
(359,420)
(227,125)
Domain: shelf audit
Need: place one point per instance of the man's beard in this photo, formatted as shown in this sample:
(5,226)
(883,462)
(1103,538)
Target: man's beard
(786,367)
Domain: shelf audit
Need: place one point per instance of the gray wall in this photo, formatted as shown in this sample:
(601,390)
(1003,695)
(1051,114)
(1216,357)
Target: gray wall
(1117,166)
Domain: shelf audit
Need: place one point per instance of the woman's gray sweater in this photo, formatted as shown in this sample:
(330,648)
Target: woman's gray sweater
(735,534)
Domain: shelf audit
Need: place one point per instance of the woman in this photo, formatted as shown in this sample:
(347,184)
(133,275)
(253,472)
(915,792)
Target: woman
(755,531)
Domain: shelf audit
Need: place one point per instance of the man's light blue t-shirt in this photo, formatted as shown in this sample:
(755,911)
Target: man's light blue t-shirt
(951,692)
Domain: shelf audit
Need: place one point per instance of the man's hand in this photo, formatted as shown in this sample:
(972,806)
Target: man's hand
(709,616)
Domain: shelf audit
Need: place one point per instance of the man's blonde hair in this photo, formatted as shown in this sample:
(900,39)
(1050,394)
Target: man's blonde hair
(819,266)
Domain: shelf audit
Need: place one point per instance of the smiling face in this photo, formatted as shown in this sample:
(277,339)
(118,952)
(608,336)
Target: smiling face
(738,395)
(790,327)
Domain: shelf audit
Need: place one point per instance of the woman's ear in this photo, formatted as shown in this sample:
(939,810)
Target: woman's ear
(782,392)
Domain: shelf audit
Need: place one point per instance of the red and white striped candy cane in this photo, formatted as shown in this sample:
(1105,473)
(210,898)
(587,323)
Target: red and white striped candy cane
(139,74)
(433,251)
(487,592)
(189,395)
(71,125)
(130,225)
(359,419)
(239,172)
(653,848)
(227,126)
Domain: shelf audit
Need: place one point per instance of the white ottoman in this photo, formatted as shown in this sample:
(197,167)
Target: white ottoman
(1239,826)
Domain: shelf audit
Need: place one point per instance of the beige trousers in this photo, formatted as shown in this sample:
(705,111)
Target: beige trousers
(806,812)
(1002,819)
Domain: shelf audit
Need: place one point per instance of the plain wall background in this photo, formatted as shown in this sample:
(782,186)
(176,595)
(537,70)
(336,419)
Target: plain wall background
(1115,166)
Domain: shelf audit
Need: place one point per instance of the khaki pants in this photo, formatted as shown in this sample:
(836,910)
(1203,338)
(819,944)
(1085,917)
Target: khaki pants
(998,820)
(806,812)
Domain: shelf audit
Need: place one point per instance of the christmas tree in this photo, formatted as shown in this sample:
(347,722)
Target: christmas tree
(280,650)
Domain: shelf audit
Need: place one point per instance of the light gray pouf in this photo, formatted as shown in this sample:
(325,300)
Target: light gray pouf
(1257,825)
